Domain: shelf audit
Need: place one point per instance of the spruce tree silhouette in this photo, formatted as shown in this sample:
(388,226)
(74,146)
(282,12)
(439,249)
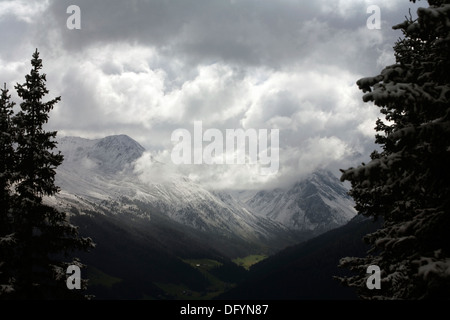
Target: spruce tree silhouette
(43,238)
(6,175)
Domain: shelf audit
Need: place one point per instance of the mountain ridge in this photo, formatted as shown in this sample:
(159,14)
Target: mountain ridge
(97,171)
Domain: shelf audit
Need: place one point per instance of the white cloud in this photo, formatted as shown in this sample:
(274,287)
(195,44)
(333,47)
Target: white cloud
(315,110)
(23,10)
(322,151)
(149,68)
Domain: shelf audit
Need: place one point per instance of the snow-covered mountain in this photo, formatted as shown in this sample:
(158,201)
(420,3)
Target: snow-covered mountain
(98,173)
(318,203)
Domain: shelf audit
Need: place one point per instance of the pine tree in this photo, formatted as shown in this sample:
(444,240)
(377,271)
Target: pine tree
(6,176)
(44,238)
(407,182)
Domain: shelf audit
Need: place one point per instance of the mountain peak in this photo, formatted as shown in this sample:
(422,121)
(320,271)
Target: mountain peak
(121,144)
(120,139)
(110,154)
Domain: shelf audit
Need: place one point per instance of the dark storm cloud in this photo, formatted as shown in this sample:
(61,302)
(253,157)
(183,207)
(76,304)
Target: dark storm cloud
(253,32)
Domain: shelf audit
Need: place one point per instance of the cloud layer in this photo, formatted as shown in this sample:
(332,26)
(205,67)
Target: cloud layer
(146,68)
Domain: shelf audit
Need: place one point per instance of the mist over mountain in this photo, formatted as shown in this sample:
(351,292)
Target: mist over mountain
(103,170)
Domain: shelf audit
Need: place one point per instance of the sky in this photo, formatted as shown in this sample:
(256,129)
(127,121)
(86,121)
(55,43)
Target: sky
(148,68)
